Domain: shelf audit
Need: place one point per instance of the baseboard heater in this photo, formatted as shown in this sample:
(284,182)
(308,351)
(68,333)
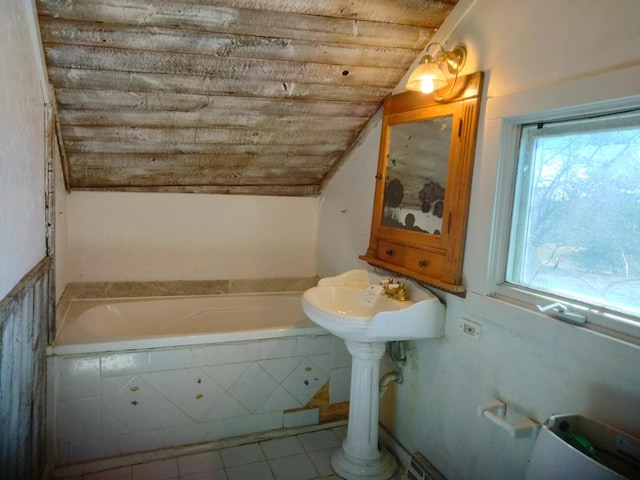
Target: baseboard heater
(421,469)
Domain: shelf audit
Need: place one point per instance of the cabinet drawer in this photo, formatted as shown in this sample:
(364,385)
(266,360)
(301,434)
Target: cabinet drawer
(391,253)
(420,261)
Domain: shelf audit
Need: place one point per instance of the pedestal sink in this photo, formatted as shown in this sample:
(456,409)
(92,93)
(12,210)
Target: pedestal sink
(343,306)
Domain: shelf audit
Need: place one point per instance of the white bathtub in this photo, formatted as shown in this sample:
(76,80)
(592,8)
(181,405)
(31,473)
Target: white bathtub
(134,375)
(154,322)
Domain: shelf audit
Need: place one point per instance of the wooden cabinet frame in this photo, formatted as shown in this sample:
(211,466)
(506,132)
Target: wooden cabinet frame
(435,259)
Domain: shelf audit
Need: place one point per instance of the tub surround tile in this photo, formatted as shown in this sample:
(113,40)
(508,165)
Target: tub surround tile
(272,285)
(79,419)
(227,374)
(188,287)
(140,441)
(340,386)
(163,360)
(79,377)
(184,435)
(279,401)
(305,381)
(123,363)
(181,287)
(197,393)
(166,415)
(226,353)
(146,289)
(252,353)
(198,357)
(323,362)
(133,403)
(300,418)
(278,348)
(263,422)
(280,368)
(226,407)
(235,393)
(93,448)
(165,382)
(253,387)
(112,426)
(111,385)
(340,356)
(226,428)
(314,345)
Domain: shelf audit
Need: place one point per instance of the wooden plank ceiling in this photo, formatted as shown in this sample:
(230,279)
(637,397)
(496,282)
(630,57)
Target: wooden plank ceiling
(223,96)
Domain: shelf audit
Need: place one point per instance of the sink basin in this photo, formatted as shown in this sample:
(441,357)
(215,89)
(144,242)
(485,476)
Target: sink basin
(337,304)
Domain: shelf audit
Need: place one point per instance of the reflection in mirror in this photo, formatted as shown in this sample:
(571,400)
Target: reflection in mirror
(416,175)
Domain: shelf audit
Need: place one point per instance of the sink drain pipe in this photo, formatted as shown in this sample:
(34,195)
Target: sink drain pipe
(393,376)
(396,352)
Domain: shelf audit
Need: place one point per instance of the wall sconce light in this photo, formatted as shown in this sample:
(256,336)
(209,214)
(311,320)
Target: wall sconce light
(428,75)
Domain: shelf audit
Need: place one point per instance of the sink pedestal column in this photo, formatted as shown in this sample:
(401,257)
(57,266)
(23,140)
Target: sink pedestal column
(359,457)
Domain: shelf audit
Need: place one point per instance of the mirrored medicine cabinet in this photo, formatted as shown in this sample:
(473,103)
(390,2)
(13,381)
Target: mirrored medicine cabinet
(423,184)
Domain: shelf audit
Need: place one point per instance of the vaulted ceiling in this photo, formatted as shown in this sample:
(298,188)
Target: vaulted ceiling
(223,96)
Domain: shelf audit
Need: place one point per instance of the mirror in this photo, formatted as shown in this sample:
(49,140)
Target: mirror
(416,175)
(423,184)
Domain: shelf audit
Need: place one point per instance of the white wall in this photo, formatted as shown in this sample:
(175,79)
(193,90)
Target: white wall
(345,206)
(145,236)
(22,162)
(540,366)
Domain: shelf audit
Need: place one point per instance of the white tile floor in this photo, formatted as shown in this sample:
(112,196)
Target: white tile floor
(305,456)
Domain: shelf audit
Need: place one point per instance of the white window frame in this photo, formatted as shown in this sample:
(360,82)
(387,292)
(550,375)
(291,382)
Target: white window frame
(494,185)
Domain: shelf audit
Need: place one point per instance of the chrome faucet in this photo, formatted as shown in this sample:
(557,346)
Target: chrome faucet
(395,290)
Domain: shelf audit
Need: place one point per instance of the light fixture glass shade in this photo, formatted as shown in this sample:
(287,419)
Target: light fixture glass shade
(426,78)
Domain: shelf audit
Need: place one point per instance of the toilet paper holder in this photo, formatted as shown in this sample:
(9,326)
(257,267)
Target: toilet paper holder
(496,411)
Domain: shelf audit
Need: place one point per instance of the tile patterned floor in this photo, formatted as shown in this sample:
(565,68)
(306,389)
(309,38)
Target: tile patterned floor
(302,457)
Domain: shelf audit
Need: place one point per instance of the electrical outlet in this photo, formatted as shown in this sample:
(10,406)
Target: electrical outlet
(470,329)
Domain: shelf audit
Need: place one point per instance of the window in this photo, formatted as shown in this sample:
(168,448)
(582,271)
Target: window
(575,227)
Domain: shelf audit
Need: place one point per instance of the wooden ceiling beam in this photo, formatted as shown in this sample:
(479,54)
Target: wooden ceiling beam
(115,147)
(165,119)
(141,61)
(179,102)
(207,16)
(170,136)
(208,161)
(86,79)
(272,190)
(175,40)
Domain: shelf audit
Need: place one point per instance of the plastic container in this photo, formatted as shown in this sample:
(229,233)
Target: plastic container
(573,446)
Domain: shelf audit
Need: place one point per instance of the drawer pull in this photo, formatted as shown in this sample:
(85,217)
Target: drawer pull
(423,263)
(389,252)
